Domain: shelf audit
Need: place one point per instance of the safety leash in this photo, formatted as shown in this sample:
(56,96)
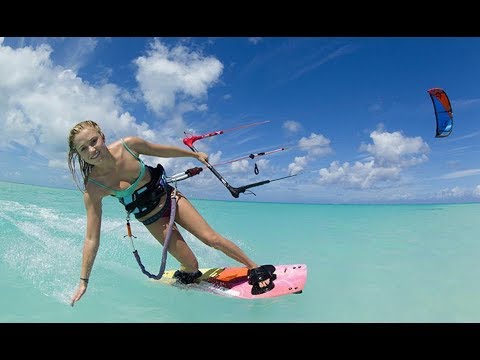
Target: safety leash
(173,210)
(173,205)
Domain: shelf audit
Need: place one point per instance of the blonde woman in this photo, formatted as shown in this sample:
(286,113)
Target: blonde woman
(117,170)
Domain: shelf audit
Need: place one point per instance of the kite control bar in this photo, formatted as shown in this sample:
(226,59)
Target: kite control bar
(235,191)
(184,175)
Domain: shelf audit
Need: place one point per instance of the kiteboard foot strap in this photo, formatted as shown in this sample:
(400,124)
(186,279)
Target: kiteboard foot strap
(259,274)
(186,277)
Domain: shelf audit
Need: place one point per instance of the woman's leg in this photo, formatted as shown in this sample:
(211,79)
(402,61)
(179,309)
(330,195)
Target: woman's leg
(189,218)
(177,245)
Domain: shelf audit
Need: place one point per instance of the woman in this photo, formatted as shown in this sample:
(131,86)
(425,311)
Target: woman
(117,170)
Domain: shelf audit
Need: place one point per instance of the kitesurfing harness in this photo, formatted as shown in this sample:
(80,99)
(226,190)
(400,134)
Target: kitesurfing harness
(146,198)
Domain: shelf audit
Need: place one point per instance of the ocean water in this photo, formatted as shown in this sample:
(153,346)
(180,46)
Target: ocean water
(367,263)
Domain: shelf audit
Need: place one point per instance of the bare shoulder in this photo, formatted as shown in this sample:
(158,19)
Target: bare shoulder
(136,144)
(116,148)
(115,145)
(133,141)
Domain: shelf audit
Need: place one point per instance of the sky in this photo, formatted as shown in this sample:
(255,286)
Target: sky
(352,113)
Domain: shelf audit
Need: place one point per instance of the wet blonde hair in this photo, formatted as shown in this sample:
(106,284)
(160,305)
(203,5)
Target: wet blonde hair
(85,167)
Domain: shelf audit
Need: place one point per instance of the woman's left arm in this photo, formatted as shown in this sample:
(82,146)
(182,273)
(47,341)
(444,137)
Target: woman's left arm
(144,147)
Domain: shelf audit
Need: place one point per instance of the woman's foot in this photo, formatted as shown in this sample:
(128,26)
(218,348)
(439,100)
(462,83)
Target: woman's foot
(186,277)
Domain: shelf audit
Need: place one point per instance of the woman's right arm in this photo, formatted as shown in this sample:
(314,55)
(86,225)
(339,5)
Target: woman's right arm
(93,205)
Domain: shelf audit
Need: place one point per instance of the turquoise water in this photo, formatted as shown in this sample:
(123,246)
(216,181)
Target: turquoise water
(367,263)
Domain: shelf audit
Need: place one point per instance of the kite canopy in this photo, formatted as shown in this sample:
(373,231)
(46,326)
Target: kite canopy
(443,112)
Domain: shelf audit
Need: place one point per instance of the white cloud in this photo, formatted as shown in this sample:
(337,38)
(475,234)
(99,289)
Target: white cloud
(298,165)
(167,75)
(451,193)
(79,51)
(389,154)
(476,191)
(315,145)
(214,158)
(359,175)
(292,126)
(41,101)
(460,174)
(394,148)
(240,166)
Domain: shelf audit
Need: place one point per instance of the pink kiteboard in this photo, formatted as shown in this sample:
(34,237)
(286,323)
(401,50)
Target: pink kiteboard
(233,282)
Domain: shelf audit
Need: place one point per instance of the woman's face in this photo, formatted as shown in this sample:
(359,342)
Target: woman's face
(90,145)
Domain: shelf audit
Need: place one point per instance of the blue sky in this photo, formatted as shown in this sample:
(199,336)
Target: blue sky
(353,113)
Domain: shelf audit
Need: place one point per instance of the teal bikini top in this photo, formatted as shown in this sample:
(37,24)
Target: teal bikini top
(131,189)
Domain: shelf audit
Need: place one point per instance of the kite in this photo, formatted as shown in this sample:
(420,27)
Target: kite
(443,112)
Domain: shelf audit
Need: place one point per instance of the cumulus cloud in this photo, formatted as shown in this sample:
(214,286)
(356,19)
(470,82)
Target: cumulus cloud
(388,155)
(166,76)
(299,163)
(359,175)
(316,145)
(395,148)
(40,101)
(456,193)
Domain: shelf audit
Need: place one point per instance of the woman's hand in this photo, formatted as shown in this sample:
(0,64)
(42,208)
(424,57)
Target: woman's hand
(82,287)
(202,157)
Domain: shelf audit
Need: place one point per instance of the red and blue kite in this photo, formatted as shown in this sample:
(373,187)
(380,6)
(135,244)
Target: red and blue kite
(443,112)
